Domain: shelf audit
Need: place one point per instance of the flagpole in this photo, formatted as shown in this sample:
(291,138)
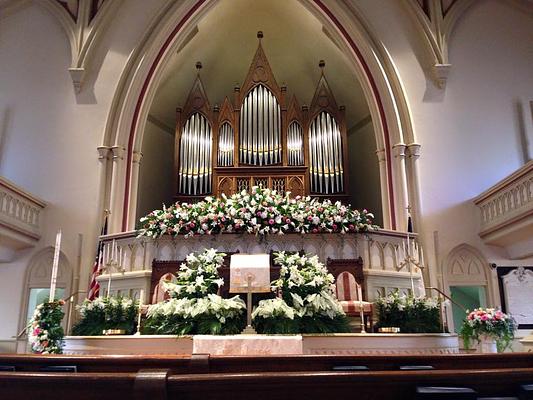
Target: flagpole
(99,261)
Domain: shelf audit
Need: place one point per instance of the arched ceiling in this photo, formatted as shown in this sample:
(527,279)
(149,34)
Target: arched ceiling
(225,42)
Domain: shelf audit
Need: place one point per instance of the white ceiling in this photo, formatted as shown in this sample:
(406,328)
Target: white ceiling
(225,43)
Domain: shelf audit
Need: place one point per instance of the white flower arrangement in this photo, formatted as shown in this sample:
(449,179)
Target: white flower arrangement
(194,306)
(212,305)
(198,276)
(308,303)
(260,212)
(273,308)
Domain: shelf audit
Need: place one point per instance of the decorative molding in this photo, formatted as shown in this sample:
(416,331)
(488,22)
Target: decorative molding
(436,20)
(84,21)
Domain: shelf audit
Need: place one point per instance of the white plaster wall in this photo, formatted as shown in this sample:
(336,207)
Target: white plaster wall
(156,171)
(364,170)
(471,133)
(49,135)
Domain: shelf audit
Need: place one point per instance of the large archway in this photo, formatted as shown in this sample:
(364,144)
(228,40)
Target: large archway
(175,27)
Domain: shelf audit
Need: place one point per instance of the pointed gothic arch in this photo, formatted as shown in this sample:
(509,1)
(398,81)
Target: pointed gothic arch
(371,64)
(38,276)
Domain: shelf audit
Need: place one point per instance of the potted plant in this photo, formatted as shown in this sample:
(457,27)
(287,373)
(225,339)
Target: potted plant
(492,329)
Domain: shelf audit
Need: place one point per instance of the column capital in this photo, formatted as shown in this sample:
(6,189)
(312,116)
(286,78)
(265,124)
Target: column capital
(137,157)
(118,152)
(103,152)
(381,155)
(413,150)
(398,150)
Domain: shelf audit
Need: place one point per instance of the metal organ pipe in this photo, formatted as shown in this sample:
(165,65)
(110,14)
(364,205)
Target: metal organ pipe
(325,150)
(260,128)
(195,167)
(225,146)
(295,144)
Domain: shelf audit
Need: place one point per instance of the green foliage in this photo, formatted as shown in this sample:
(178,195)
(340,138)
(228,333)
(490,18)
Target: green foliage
(105,313)
(409,313)
(45,333)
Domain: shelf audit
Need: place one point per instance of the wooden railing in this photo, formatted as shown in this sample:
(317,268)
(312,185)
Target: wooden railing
(280,377)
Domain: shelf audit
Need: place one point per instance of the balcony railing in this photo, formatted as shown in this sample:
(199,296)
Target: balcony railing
(20,219)
(507,213)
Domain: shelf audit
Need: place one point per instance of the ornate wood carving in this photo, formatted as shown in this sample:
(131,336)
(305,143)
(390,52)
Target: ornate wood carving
(266,107)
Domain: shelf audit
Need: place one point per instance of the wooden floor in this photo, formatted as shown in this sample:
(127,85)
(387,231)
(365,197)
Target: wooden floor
(277,377)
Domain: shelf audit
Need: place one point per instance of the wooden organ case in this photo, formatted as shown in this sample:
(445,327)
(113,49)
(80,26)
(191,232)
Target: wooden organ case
(261,139)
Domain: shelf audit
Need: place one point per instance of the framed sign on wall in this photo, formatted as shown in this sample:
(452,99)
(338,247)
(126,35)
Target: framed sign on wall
(516,293)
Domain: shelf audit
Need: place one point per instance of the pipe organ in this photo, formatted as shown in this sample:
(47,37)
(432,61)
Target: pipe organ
(261,137)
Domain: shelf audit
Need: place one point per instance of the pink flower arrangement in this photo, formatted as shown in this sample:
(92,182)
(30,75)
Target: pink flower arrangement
(260,211)
(488,322)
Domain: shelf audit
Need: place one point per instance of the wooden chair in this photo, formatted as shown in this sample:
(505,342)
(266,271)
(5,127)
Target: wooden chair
(348,276)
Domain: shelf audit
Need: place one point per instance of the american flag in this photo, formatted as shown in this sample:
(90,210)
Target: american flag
(94,286)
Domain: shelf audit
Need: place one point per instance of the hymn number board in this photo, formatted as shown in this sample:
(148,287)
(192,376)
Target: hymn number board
(261,139)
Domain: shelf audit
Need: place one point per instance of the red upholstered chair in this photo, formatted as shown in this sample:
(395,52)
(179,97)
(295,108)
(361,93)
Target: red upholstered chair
(347,294)
(159,293)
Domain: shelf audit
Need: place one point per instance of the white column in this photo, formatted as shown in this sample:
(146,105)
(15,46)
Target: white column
(412,153)
(400,186)
(118,181)
(132,210)
(385,195)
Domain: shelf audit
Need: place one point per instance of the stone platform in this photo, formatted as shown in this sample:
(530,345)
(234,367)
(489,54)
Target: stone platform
(333,344)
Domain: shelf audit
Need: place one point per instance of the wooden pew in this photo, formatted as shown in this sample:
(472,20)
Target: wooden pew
(279,377)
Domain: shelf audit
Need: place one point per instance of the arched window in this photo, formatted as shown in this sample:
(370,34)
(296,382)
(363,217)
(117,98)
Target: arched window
(36,288)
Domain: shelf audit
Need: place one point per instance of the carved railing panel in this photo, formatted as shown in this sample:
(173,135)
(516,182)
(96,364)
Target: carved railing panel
(506,211)
(20,217)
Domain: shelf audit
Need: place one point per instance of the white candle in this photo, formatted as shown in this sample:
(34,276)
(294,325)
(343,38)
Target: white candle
(141,298)
(360,294)
(55,266)
(114,251)
(109,284)
(101,258)
(104,255)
